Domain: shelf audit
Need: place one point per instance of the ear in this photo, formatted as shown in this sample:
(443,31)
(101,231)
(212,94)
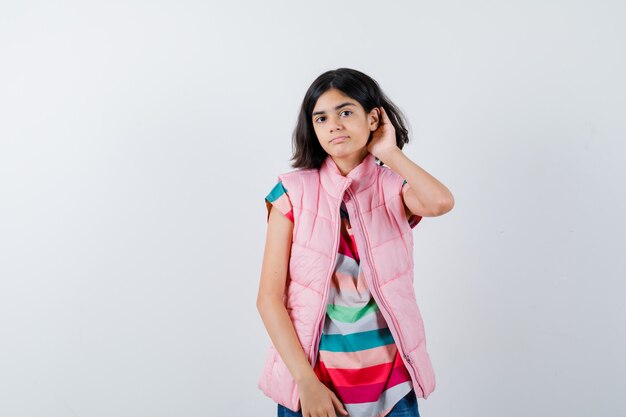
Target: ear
(374,118)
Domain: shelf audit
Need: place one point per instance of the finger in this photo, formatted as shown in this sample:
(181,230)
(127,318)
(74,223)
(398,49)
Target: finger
(384,113)
(339,405)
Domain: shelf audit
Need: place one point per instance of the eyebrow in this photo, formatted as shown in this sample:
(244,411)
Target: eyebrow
(336,108)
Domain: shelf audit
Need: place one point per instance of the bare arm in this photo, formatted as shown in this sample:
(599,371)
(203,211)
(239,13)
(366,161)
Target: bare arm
(427,196)
(270,297)
(315,398)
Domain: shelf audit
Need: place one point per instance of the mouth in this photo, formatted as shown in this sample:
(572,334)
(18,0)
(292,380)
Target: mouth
(338,139)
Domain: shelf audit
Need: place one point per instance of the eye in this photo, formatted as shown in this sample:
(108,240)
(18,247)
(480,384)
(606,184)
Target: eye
(322,117)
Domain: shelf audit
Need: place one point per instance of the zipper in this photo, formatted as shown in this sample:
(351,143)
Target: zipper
(378,297)
(322,312)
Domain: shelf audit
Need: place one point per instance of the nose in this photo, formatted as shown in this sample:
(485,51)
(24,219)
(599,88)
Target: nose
(335,124)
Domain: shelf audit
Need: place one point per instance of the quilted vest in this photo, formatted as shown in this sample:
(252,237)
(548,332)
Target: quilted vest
(373,198)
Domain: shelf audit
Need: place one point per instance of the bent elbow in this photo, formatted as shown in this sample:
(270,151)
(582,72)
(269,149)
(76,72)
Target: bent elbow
(445,206)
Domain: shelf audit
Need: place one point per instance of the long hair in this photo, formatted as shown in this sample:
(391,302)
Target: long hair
(307,151)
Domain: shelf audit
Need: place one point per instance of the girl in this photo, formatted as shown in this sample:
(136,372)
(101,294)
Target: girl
(336,289)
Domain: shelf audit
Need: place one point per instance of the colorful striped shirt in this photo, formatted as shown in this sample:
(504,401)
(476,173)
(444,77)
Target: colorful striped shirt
(358,358)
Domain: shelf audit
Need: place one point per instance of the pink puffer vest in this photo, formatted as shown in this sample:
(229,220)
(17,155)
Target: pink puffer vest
(372,194)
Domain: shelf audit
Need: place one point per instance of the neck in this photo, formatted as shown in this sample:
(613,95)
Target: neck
(347,163)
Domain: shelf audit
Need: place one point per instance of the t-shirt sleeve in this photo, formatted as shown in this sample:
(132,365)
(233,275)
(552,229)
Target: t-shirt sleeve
(413,219)
(279,198)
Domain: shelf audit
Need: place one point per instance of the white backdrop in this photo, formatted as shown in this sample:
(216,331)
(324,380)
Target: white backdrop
(138,139)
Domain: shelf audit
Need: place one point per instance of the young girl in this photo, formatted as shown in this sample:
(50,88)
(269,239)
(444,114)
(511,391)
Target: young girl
(336,289)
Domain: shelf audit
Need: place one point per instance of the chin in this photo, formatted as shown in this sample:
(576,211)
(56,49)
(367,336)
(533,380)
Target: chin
(344,154)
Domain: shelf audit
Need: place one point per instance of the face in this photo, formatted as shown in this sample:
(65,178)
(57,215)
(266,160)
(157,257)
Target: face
(342,126)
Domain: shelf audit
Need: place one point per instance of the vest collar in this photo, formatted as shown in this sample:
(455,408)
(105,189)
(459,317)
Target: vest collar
(359,178)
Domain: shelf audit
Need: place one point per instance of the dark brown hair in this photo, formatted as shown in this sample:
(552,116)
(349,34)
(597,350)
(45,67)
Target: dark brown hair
(307,151)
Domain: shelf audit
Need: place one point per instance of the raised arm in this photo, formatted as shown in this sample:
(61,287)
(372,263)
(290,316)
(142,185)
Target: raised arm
(426,196)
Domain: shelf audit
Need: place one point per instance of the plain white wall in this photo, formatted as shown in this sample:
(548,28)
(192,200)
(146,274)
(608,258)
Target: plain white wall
(138,139)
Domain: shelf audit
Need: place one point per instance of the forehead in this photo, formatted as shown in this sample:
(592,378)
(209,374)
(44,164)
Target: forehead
(332,100)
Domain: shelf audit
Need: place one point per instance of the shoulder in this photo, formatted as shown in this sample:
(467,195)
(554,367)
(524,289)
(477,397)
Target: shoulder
(296,179)
(298,173)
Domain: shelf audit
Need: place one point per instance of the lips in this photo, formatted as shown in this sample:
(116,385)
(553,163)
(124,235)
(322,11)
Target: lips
(339,138)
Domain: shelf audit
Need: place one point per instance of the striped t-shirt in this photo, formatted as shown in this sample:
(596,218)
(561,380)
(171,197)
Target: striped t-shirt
(358,358)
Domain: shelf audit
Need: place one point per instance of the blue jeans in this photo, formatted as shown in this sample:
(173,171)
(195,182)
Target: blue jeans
(406,407)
